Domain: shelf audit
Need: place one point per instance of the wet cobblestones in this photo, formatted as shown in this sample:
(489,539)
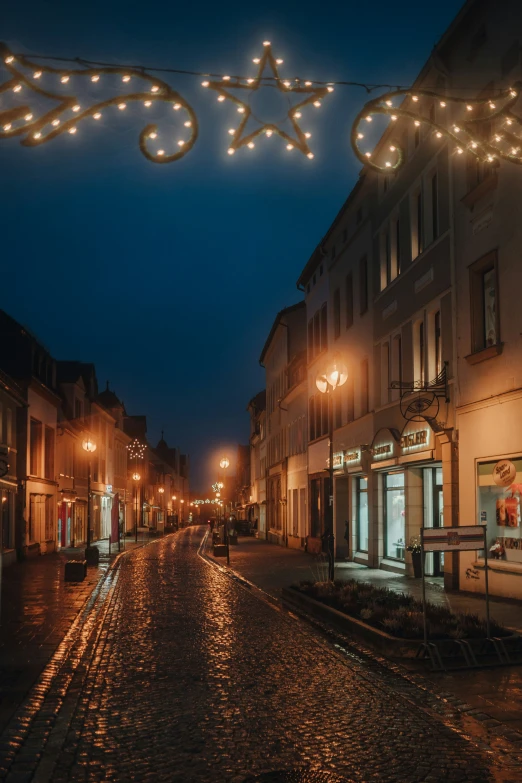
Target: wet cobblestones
(184,675)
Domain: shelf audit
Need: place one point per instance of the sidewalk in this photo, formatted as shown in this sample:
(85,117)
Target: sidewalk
(495,692)
(37,609)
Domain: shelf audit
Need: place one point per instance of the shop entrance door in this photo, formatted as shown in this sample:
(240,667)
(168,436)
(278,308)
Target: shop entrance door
(433,515)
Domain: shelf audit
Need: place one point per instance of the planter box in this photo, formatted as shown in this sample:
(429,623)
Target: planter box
(387,645)
(390,646)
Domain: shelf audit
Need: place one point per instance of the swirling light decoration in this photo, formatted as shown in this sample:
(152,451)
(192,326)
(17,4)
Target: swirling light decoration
(24,121)
(486,126)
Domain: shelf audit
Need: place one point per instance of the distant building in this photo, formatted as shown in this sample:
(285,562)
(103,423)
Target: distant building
(257,503)
(12,402)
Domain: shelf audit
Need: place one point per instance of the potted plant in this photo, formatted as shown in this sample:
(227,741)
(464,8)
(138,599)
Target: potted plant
(415,548)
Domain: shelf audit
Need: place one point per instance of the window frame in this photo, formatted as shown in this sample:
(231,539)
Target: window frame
(477,271)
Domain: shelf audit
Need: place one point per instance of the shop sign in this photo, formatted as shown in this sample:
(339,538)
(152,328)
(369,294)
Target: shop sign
(504,473)
(337,460)
(380,452)
(453,539)
(352,456)
(413,440)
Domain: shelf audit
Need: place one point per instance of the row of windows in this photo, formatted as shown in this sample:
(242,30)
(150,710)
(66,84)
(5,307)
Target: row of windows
(344,410)
(41,450)
(318,333)
(349,298)
(6,425)
(276,392)
(425,229)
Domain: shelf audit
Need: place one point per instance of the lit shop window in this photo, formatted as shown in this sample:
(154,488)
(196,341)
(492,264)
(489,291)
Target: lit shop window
(361,521)
(394,515)
(499,485)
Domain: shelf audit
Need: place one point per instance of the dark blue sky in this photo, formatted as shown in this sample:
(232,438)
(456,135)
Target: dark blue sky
(168,277)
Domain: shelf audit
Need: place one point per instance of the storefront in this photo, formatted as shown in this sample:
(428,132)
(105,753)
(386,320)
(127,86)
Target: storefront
(66,511)
(407,468)
(7,517)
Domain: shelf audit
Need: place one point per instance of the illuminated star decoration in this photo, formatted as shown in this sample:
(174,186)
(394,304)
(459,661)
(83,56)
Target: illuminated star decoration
(486,128)
(240,138)
(43,82)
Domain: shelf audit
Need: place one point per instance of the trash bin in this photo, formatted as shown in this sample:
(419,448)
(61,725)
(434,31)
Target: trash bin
(75,570)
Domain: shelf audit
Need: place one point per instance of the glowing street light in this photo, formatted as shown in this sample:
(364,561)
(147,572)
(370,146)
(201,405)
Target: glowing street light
(334,376)
(91,552)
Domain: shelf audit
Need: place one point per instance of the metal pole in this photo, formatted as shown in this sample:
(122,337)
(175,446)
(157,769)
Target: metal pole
(488,627)
(89,506)
(424,594)
(330,539)
(136,517)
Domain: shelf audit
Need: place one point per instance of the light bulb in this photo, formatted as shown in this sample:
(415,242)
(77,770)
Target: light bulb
(490,158)
(443,104)
(415,98)
(76,107)
(308,135)
(498,138)
(231,131)
(417,123)
(297,115)
(154,88)
(97,115)
(122,106)
(469,108)
(388,164)
(368,118)
(37,74)
(513,94)
(509,122)
(161,152)
(37,135)
(459,150)
(72,130)
(7,127)
(153,135)
(289,147)
(55,123)
(251,145)
(317,104)
(456,129)
(438,135)
(187,124)
(17,88)
(474,145)
(256,60)
(392,148)
(394,117)
(492,106)
(249,81)
(515,150)
(176,106)
(308,84)
(286,84)
(310,155)
(181,143)
(389,103)
(368,154)
(269,132)
(221,98)
(126,78)
(241,109)
(205,84)
(360,135)
(64,79)
(28,117)
(266,43)
(226,78)
(330,89)
(95,78)
(279,61)
(230,151)
(9,59)
(147,104)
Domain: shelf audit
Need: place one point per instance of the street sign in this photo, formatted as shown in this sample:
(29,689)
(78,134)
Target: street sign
(453,539)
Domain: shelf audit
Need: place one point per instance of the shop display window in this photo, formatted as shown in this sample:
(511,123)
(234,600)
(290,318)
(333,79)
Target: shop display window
(361,500)
(394,505)
(499,508)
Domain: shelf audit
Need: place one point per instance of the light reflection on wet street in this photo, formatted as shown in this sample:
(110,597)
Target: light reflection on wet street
(187,676)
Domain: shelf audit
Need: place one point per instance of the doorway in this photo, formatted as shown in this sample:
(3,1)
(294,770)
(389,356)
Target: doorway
(433,515)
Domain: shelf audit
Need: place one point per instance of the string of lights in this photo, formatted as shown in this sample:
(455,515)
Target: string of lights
(487,127)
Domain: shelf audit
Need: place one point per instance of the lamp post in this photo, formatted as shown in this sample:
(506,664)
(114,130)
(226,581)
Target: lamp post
(136,477)
(91,552)
(335,375)
(224,463)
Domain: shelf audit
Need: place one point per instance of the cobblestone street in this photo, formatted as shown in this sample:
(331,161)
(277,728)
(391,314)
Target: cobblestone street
(177,672)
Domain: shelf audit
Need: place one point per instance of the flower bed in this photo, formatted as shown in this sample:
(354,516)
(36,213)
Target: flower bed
(397,614)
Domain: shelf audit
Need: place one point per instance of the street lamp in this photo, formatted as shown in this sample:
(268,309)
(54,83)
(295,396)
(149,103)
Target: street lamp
(91,552)
(223,464)
(136,477)
(335,375)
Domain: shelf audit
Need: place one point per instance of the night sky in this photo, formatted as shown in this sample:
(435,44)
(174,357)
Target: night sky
(168,277)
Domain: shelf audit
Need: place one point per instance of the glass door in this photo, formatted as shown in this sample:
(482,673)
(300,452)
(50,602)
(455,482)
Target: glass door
(433,515)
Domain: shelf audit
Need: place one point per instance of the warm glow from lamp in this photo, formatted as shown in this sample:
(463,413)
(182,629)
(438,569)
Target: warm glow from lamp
(161,490)
(136,476)
(89,445)
(224,463)
(173,497)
